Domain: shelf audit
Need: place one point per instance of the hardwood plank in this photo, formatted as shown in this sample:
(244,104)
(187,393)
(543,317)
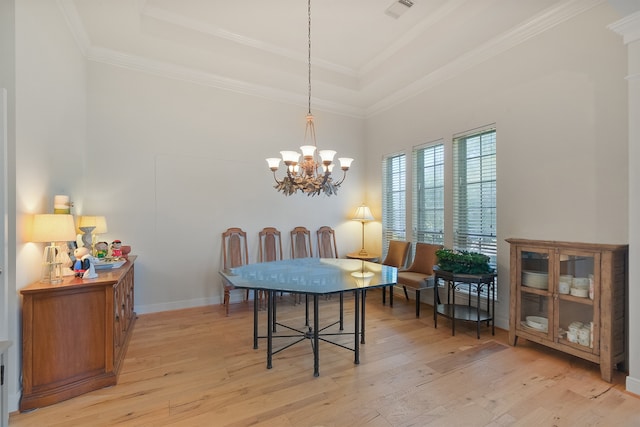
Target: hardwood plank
(197,367)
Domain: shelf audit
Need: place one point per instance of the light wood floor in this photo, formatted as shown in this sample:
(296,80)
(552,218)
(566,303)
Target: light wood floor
(196,367)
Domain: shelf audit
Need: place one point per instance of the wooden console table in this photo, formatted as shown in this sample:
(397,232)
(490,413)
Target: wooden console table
(475,284)
(75,335)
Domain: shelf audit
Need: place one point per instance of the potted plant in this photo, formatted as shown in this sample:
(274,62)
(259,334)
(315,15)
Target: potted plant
(463,262)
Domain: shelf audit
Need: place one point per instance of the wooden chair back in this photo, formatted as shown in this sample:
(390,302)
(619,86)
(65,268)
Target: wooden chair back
(270,244)
(327,247)
(235,253)
(234,248)
(301,243)
(397,254)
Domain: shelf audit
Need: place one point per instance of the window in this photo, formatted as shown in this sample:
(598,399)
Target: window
(474,193)
(393,199)
(428,194)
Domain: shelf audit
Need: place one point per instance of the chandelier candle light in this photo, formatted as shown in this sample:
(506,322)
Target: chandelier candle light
(312,175)
(363,214)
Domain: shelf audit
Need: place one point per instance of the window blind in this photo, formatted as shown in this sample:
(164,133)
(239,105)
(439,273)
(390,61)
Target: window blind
(474,193)
(428,193)
(393,199)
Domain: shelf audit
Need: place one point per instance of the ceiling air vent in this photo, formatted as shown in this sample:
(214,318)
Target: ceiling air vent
(398,7)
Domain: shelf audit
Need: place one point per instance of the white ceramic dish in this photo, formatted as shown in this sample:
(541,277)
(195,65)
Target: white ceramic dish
(534,279)
(538,323)
(579,292)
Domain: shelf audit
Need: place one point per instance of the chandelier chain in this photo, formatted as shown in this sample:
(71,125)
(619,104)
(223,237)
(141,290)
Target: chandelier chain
(309,53)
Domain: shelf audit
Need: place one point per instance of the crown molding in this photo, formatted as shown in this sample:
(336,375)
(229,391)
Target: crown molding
(214,31)
(75,25)
(186,74)
(628,27)
(547,19)
(544,21)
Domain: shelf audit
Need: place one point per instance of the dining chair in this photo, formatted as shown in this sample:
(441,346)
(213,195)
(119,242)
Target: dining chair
(301,243)
(396,257)
(270,244)
(270,249)
(235,254)
(327,247)
(420,275)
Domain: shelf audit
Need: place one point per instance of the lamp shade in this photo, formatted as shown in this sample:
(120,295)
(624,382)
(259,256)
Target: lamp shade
(99,222)
(53,228)
(363,214)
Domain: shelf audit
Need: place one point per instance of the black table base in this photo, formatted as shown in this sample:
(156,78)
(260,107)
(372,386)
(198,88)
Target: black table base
(315,333)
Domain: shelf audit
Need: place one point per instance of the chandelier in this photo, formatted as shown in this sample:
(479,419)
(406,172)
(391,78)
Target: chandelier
(312,175)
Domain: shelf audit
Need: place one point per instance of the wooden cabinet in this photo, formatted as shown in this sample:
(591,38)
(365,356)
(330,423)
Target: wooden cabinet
(75,335)
(571,297)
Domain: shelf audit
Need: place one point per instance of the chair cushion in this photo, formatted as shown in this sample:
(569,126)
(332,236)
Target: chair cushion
(415,280)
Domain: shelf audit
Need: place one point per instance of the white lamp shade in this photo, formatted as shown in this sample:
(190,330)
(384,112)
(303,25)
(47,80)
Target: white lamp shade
(290,156)
(274,162)
(327,155)
(363,214)
(97,221)
(53,228)
(345,162)
(308,150)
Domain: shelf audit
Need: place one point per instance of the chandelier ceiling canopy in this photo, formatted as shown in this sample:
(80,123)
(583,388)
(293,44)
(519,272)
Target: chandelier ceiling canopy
(313,174)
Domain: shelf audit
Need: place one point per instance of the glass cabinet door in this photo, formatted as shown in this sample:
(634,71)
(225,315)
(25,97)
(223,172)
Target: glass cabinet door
(577,287)
(535,306)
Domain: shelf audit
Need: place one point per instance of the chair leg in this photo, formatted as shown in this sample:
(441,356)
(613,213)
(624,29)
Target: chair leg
(417,303)
(226,301)
(405,292)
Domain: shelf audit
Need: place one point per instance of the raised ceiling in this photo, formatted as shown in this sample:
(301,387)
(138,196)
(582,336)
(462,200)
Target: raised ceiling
(363,60)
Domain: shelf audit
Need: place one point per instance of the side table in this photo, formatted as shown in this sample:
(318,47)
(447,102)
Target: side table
(474,284)
(368,257)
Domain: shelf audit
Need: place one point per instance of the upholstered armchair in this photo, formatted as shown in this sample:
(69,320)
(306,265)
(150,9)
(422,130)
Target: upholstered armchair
(420,275)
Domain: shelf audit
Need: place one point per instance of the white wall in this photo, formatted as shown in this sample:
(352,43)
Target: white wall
(50,105)
(629,28)
(173,164)
(559,104)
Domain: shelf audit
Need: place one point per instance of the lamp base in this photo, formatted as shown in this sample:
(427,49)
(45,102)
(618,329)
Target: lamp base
(363,252)
(51,266)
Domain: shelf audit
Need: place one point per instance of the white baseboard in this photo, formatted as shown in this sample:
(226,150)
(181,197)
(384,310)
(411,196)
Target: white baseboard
(633,385)
(236,296)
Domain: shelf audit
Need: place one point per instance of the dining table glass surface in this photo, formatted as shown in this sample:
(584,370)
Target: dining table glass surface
(312,275)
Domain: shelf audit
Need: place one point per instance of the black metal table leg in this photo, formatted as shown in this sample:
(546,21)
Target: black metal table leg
(255,318)
(316,341)
(270,295)
(364,297)
(341,311)
(356,327)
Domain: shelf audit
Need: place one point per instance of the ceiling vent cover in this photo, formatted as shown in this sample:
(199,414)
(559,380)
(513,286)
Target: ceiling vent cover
(398,7)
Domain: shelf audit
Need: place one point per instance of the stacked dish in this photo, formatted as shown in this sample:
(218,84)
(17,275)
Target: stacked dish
(534,279)
(564,284)
(538,323)
(580,287)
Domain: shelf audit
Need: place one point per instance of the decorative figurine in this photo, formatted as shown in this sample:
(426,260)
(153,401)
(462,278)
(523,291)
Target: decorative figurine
(83,265)
(116,249)
(102,249)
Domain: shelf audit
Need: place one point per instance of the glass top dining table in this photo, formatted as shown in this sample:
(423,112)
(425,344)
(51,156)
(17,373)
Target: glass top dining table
(312,277)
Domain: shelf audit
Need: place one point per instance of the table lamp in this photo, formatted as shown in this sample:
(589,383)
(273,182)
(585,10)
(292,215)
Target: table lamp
(91,226)
(363,214)
(52,228)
